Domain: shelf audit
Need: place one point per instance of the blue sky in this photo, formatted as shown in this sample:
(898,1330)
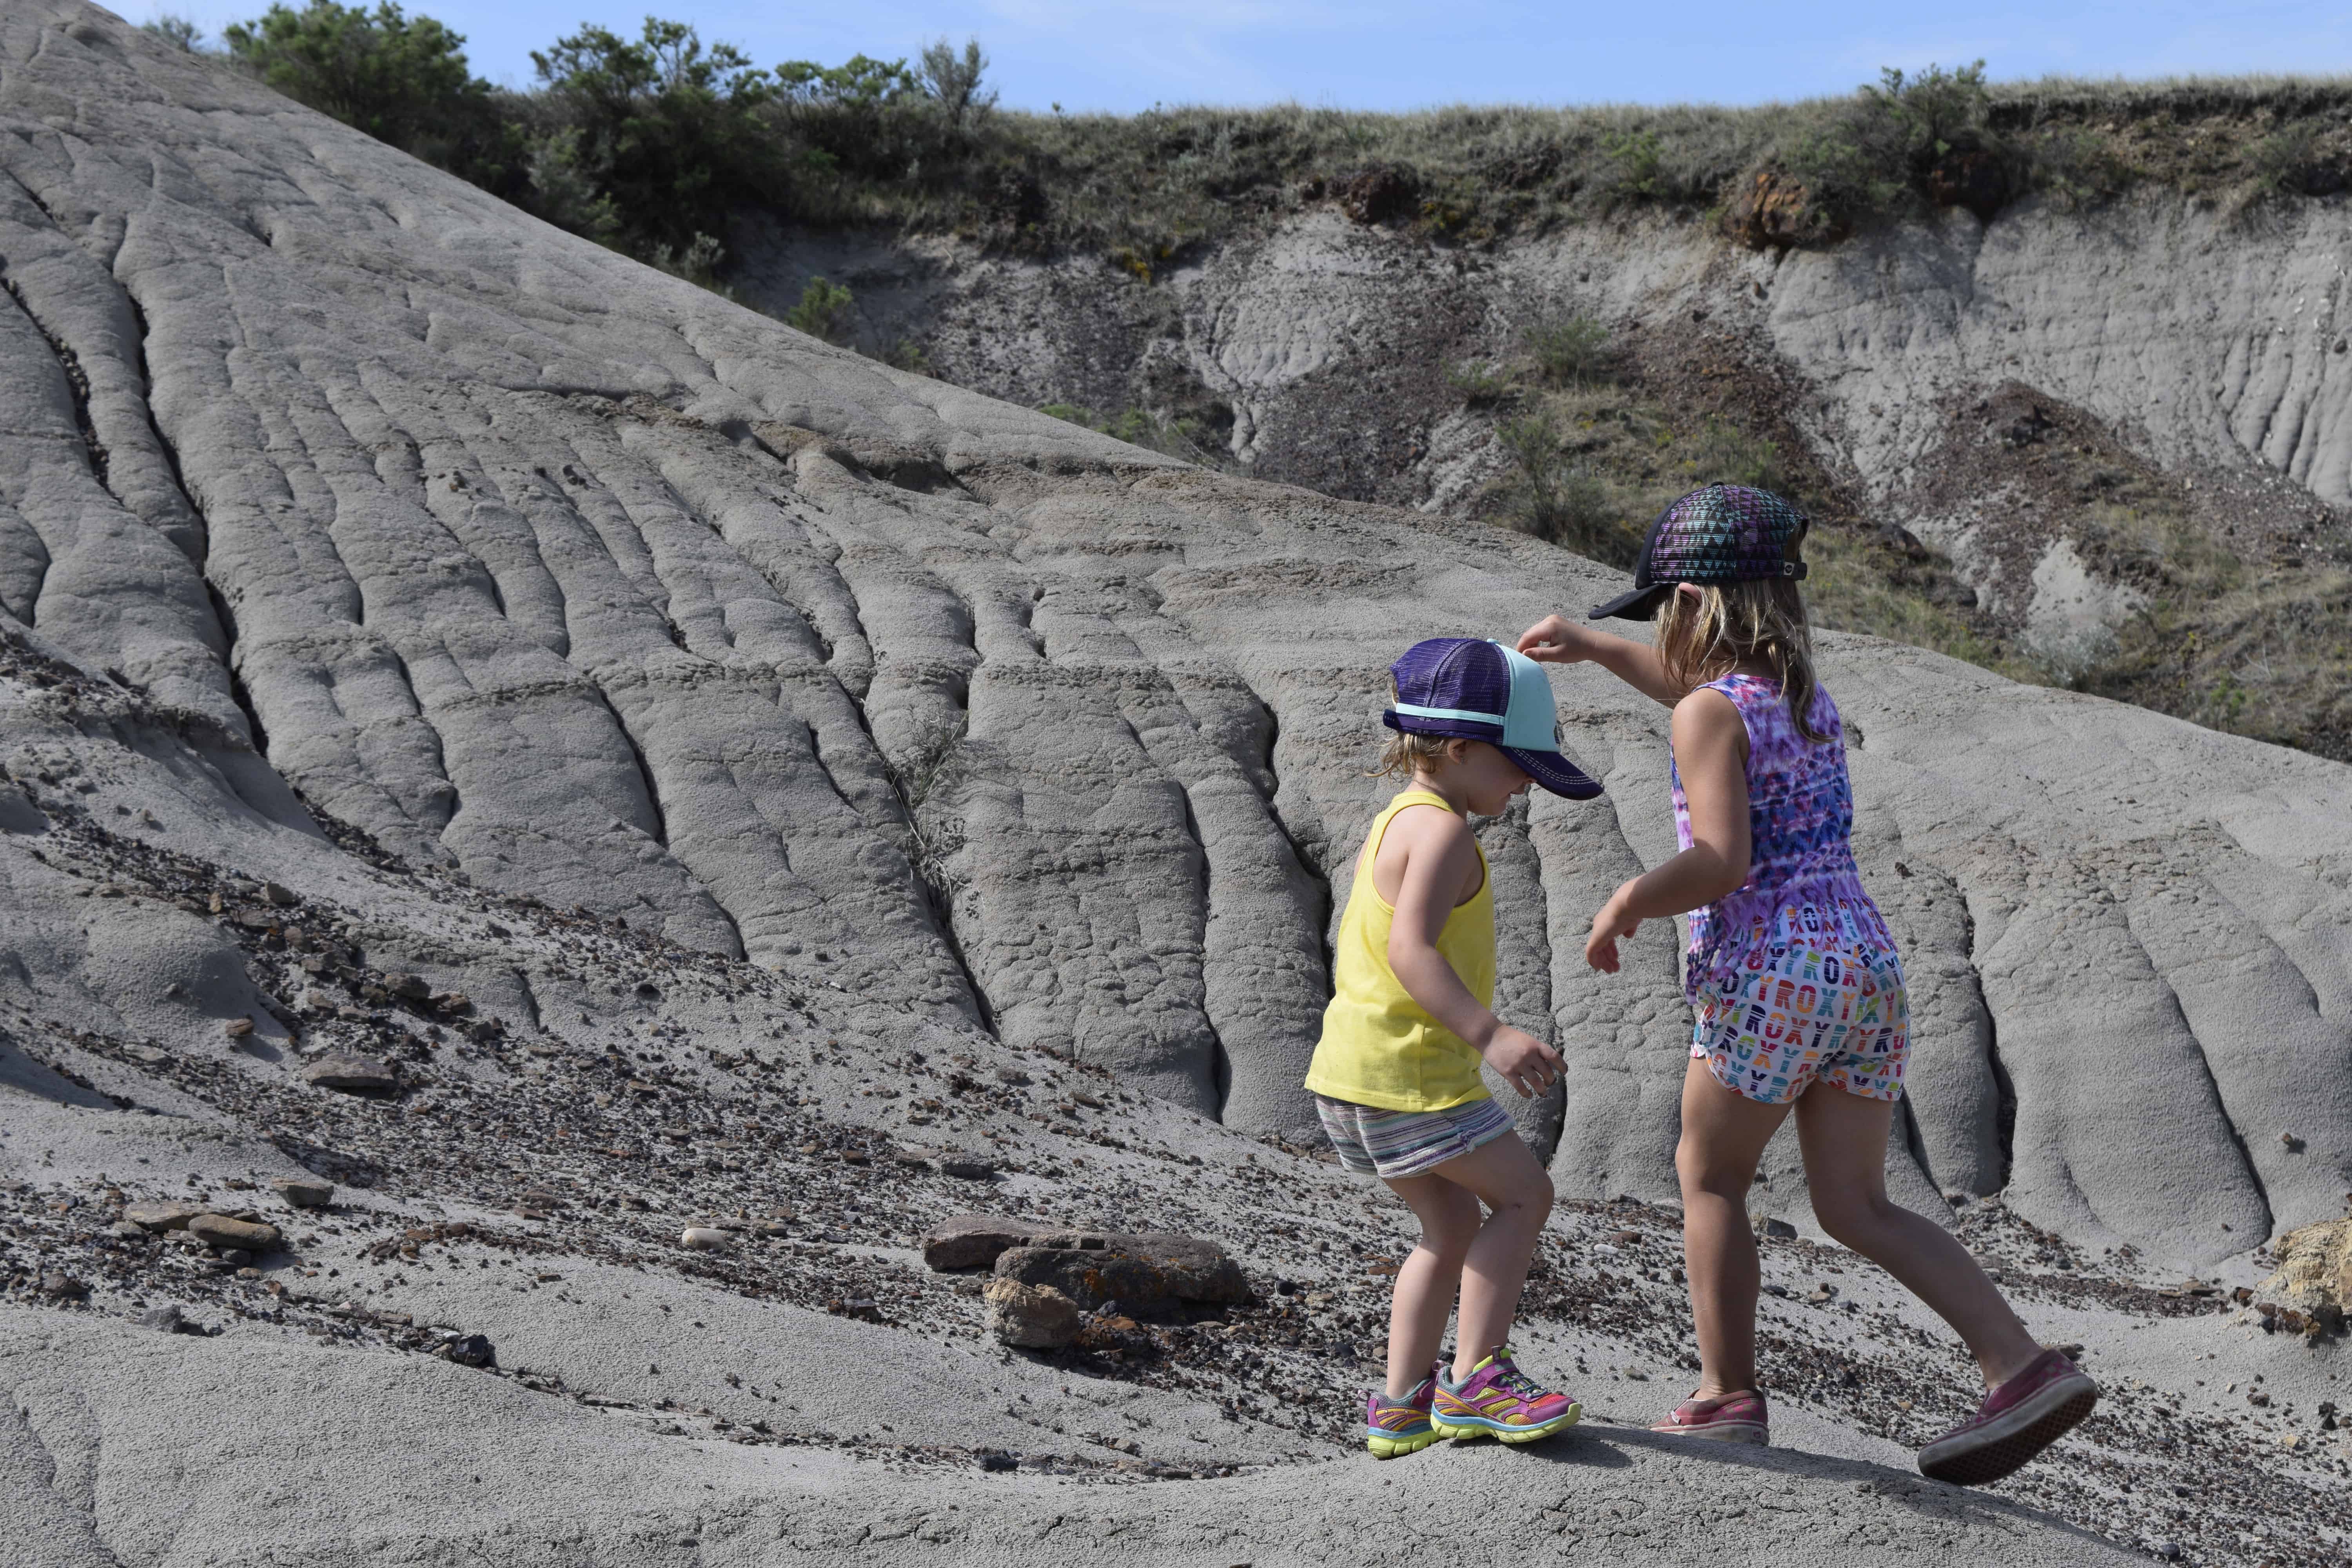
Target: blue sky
(1408,54)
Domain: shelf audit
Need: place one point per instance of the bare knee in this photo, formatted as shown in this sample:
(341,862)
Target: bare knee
(1449,1244)
(1852,1219)
(1700,1171)
(1529,1200)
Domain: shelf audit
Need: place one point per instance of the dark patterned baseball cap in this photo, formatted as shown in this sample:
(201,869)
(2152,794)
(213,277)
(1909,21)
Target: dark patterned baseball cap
(1484,692)
(1723,533)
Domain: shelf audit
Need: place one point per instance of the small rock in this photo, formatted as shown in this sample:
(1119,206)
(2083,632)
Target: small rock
(967,1170)
(127,1231)
(2293,1143)
(408,987)
(238,1029)
(1033,1317)
(467,1349)
(974,1240)
(161,1216)
(1775,1229)
(61,1286)
(2169,1551)
(706,1239)
(304,1192)
(165,1318)
(996,1463)
(1146,1270)
(282,896)
(220,1231)
(351,1074)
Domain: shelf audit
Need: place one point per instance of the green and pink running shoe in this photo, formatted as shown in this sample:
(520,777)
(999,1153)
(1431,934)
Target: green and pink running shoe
(1394,1427)
(1498,1400)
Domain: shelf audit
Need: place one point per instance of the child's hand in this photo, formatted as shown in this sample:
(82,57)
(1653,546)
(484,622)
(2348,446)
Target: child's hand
(1614,921)
(1556,639)
(1526,1063)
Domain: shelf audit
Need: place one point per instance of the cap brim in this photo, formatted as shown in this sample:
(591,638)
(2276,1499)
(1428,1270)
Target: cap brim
(1637,605)
(1553,772)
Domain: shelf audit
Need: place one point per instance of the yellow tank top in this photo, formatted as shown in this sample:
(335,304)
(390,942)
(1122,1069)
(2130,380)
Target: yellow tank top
(1379,1047)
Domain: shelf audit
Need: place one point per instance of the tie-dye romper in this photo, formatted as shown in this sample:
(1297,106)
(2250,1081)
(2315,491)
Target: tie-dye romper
(1793,977)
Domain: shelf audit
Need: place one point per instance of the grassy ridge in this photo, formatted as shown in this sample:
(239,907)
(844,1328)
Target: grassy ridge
(1141,187)
(650,143)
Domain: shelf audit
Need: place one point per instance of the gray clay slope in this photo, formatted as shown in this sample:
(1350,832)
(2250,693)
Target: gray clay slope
(531,560)
(980,737)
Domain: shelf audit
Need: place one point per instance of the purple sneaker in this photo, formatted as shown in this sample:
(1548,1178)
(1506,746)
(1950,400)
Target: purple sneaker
(1394,1427)
(2017,1421)
(1734,1418)
(1499,1400)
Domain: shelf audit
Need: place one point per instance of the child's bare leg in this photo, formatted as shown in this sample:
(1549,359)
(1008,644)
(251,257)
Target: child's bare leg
(1502,1175)
(1427,1280)
(1723,1137)
(1845,1140)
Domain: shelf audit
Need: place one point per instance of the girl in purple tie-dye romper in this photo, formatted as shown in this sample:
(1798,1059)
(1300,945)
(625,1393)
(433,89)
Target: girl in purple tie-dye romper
(1792,976)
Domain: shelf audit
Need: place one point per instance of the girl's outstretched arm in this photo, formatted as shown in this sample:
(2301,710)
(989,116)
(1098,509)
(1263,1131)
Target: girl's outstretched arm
(1711,754)
(1556,639)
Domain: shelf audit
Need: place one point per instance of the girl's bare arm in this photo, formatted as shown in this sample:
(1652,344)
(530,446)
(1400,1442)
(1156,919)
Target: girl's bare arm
(1556,639)
(1710,752)
(1440,859)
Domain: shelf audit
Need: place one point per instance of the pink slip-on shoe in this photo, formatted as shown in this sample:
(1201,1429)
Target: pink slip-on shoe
(2017,1421)
(1734,1418)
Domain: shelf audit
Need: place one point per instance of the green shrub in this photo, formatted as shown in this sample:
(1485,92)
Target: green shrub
(1141,427)
(1559,498)
(667,133)
(1869,156)
(1480,382)
(823,312)
(180,32)
(1722,452)
(1569,351)
(952,81)
(401,79)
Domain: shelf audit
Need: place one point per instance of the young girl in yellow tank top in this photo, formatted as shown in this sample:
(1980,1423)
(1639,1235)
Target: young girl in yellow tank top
(1395,1075)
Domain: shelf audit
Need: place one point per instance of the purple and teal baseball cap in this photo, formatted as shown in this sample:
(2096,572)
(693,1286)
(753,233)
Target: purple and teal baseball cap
(1484,692)
(1723,533)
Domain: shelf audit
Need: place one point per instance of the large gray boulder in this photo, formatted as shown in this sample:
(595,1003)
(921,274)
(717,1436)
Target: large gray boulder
(532,561)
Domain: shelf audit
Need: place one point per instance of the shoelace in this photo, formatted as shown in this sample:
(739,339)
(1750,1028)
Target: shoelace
(1514,1381)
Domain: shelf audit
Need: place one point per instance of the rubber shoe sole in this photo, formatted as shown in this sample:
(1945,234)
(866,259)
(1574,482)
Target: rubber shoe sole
(1385,1445)
(2003,1446)
(1750,1432)
(1478,1426)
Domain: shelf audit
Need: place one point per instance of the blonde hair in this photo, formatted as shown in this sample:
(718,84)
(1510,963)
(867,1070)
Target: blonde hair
(1407,753)
(1760,620)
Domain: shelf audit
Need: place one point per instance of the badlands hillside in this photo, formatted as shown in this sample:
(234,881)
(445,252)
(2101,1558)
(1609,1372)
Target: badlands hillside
(2095,438)
(554,827)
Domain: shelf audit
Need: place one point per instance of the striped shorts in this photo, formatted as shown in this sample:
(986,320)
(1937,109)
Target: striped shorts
(1395,1144)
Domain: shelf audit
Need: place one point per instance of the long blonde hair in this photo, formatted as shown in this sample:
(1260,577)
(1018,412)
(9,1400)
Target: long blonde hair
(1759,620)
